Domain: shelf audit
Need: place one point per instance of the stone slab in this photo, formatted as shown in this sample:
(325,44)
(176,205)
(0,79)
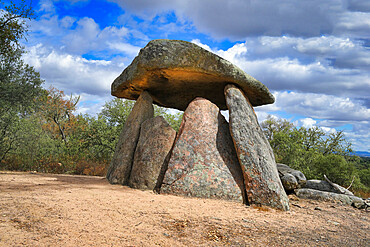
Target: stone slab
(203,162)
(327,196)
(155,142)
(262,182)
(121,164)
(175,72)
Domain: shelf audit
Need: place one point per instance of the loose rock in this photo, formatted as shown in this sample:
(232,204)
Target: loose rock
(155,142)
(121,164)
(255,155)
(325,186)
(203,162)
(289,182)
(299,176)
(327,196)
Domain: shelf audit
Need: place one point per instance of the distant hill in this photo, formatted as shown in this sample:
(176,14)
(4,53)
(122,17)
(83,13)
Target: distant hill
(362,153)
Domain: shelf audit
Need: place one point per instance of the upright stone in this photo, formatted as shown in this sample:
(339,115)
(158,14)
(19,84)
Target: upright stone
(155,142)
(120,167)
(255,155)
(203,162)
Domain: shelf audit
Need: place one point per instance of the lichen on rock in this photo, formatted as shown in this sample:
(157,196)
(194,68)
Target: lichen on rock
(175,72)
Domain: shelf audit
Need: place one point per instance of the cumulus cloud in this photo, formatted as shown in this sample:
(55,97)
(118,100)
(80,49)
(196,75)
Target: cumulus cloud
(285,73)
(82,36)
(238,19)
(359,5)
(307,122)
(87,36)
(321,106)
(71,73)
(313,55)
(325,111)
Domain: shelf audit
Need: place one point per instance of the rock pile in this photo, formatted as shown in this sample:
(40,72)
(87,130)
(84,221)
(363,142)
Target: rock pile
(209,157)
(295,182)
(290,178)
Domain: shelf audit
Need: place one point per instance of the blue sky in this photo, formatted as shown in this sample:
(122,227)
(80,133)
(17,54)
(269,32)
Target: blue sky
(314,56)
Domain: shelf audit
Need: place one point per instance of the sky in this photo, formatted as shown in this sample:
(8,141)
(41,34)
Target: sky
(313,55)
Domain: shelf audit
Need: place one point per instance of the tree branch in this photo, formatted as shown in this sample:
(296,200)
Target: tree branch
(353,179)
(336,187)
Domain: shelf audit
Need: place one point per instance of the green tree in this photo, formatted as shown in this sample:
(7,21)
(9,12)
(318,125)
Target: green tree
(13,26)
(101,134)
(20,84)
(314,152)
(116,111)
(173,119)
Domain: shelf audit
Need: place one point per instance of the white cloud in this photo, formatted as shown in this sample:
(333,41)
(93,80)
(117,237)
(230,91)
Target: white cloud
(359,136)
(47,6)
(82,36)
(329,130)
(92,104)
(307,122)
(204,46)
(128,49)
(238,19)
(285,73)
(88,36)
(321,106)
(71,73)
(354,24)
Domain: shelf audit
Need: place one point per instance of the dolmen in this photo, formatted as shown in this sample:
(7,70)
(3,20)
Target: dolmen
(208,157)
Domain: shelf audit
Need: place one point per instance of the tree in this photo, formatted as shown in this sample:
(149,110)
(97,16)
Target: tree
(116,111)
(173,119)
(13,26)
(102,132)
(58,113)
(20,84)
(313,152)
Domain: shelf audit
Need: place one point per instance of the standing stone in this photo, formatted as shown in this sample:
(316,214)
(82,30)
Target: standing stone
(203,162)
(120,167)
(255,155)
(155,142)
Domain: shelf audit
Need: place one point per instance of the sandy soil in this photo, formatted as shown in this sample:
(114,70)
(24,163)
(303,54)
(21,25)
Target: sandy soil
(63,210)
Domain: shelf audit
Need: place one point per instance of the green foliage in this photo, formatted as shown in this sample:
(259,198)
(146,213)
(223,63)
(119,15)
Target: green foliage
(38,128)
(365,176)
(99,138)
(116,111)
(315,153)
(174,120)
(20,84)
(13,26)
(53,139)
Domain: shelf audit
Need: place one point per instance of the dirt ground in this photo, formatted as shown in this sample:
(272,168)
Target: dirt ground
(62,210)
